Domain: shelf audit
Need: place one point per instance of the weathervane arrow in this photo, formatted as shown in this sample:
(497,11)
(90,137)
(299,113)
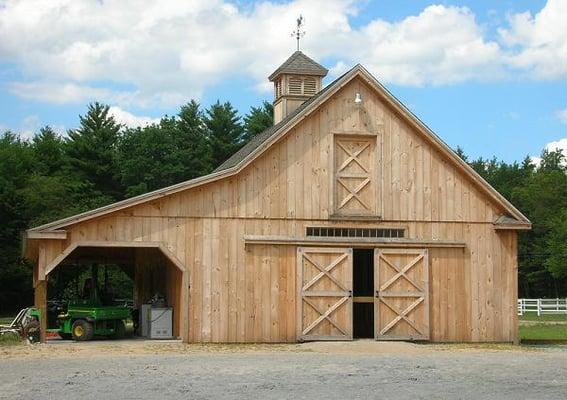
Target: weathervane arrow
(298,33)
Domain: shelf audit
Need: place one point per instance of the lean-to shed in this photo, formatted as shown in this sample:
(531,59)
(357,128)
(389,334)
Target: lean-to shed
(348,218)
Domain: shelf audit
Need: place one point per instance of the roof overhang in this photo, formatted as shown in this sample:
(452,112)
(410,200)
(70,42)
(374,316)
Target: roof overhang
(505,222)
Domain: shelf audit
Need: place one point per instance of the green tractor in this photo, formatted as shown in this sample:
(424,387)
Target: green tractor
(95,314)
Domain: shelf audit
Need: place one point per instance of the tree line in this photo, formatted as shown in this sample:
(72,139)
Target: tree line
(540,193)
(52,176)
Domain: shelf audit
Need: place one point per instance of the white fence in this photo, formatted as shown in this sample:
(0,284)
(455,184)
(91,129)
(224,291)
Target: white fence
(542,306)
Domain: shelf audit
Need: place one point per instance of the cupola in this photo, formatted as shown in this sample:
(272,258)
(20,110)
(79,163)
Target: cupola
(295,81)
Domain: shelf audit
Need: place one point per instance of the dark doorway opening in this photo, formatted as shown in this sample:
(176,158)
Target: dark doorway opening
(363,293)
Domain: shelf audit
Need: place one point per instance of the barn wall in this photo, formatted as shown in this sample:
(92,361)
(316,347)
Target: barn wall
(248,294)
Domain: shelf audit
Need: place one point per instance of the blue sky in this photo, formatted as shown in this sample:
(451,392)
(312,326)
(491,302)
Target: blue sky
(489,76)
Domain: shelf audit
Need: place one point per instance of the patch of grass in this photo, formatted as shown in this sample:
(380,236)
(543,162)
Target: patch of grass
(10,339)
(6,320)
(544,332)
(532,316)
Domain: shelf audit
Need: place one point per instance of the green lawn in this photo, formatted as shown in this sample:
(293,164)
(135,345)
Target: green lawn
(544,332)
(6,320)
(532,316)
(9,339)
(547,330)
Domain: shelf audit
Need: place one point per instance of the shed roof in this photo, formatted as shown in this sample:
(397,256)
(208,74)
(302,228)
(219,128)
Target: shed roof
(299,63)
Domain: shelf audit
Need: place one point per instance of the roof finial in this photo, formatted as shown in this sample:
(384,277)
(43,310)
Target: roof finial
(298,33)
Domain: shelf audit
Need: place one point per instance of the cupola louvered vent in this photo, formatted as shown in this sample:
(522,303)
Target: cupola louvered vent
(300,86)
(309,86)
(295,85)
(278,88)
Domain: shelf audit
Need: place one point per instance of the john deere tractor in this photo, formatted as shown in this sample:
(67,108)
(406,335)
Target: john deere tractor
(95,313)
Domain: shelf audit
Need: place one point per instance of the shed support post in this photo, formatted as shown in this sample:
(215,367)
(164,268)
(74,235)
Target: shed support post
(40,290)
(184,305)
(40,295)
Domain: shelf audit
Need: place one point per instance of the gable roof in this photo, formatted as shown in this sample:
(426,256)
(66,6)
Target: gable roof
(299,63)
(260,138)
(265,139)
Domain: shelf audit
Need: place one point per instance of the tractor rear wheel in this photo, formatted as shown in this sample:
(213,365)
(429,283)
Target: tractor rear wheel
(119,330)
(31,331)
(82,330)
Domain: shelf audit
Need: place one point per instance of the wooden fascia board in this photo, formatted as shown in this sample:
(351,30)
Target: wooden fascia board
(358,242)
(53,235)
(517,227)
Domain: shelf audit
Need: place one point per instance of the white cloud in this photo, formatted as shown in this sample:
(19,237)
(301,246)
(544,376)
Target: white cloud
(130,120)
(30,125)
(164,53)
(541,41)
(418,50)
(562,115)
(560,144)
(60,93)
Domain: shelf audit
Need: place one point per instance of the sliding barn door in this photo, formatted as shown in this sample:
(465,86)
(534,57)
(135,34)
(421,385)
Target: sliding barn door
(401,305)
(324,293)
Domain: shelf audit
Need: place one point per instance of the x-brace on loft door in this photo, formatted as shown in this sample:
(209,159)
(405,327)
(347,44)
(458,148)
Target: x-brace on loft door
(401,304)
(324,293)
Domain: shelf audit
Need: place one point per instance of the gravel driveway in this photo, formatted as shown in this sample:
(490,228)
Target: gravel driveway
(315,372)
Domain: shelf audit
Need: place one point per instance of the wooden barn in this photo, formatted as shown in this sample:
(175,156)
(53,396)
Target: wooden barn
(348,218)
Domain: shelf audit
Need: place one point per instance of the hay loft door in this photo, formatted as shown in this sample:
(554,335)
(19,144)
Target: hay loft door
(324,293)
(401,304)
(355,175)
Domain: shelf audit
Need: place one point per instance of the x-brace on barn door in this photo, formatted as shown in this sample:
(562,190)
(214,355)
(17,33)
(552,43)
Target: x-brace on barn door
(401,305)
(324,293)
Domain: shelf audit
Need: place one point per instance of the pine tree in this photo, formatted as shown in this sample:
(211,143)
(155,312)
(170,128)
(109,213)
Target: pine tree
(224,130)
(193,142)
(258,120)
(48,151)
(92,151)
(149,158)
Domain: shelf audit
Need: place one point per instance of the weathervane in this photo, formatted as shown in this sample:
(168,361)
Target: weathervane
(298,33)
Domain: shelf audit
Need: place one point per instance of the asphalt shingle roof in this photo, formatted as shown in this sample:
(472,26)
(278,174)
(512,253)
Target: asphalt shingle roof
(299,63)
(263,136)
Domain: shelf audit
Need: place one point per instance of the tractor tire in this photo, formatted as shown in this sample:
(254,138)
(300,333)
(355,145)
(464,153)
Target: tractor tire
(119,330)
(31,331)
(82,330)
(65,336)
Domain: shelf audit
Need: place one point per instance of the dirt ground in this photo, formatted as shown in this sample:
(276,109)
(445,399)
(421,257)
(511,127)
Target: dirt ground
(135,369)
